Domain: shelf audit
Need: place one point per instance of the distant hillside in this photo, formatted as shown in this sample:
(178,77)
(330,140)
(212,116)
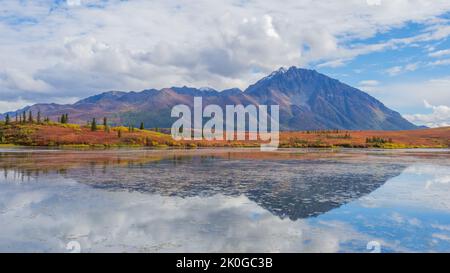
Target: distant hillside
(308,101)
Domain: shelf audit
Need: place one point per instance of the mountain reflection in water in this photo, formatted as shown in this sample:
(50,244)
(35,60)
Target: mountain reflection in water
(224,200)
(292,187)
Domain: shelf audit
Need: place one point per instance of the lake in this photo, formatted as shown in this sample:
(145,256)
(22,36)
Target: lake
(224,200)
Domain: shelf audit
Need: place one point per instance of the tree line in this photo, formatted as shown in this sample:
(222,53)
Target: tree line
(30,118)
(23,118)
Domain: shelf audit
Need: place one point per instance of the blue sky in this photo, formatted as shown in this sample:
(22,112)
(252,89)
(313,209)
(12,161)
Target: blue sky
(61,51)
(408,64)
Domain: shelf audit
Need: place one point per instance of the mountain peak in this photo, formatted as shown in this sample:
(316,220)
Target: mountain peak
(207,89)
(102,96)
(292,71)
(280,71)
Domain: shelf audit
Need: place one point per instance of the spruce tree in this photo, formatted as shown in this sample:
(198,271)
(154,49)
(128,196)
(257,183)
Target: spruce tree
(105,124)
(119,133)
(142,126)
(93,125)
(39,117)
(7,119)
(24,117)
(30,117)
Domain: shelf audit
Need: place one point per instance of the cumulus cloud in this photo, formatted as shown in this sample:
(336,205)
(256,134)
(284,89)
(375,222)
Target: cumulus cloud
(439,117)
(13,105)
(79,48)
(14,79)
(409,97)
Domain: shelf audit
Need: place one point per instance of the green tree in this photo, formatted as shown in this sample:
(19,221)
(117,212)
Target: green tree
(93,125)
(7,119)
(30,117)
(39,117)
(119,133)
(142,126)
(24,117)
(105,124)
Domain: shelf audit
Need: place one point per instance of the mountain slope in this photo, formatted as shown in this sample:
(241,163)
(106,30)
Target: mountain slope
(308,100)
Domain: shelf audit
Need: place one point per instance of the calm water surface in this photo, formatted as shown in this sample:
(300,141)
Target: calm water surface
(224,200)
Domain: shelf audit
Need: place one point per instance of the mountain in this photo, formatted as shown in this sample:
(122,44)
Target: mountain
(312,100)
(308,100)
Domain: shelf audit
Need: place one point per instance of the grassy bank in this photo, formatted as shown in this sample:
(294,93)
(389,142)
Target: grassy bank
(74,136)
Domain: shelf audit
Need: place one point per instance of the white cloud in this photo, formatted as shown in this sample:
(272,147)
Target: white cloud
(373,2)
(13,105)
(440,62)
(439,117)
(409,97)
(81,49)
(19,80)
(333,63)
(412,189)
(411,67)
(393,71)
(268,25)
(73,2)
(396,70)
(369,83)
(440,53)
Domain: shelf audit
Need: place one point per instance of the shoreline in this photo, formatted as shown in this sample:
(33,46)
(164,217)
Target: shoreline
(74,136)
(6,147)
